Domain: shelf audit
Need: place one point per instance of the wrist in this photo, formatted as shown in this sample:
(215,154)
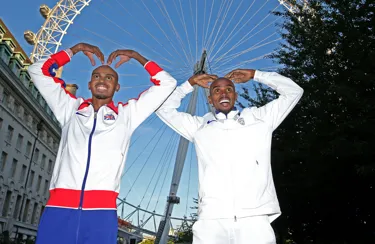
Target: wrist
(69,52)
(75,49)
(136,55)
(192,83)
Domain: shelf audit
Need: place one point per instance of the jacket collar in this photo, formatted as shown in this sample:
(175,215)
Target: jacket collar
(88,102)
(231,115)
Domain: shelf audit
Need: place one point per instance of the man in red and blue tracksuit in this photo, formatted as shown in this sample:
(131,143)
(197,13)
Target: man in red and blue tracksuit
(94,144)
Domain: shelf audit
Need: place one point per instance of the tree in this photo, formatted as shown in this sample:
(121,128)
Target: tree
(323,152)
(185,234)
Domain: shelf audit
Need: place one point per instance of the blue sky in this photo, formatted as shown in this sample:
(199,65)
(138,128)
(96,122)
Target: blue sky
(173,33)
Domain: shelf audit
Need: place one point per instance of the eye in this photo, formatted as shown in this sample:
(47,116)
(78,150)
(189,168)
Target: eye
(109,78)
(95,76)
(229,89)
(216,90)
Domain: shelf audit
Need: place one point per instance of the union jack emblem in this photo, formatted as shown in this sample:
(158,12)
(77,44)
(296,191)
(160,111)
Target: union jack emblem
(109,117)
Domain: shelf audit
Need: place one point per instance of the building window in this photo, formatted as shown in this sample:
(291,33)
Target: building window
(39,183)
(16,68)
(45,191)
(23,174)
(26,117)
(3,160)
(9,135)
(5,55)
(5,97)
(19,142)
(43,163)
(28,148)
(35,208)
(27,206)
(50,166)
(36,155)
(6,204)
(1,123)
(13,169)
(30,183)
(17,208)
(16,108)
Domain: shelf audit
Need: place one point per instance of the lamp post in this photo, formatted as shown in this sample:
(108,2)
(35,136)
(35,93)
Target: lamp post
(38,129)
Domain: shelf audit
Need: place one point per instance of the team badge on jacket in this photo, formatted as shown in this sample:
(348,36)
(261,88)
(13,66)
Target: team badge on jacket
(109,117)
(241,121)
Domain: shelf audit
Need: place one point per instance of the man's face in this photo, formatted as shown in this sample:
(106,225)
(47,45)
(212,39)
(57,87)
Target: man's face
(104,82)
(222,95)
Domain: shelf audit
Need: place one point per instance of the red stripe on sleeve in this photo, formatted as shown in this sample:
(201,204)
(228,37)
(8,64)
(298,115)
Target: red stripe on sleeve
(61,58)
(152,68)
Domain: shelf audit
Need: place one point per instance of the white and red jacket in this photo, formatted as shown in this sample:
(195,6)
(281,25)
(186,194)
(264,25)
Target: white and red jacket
(94,144)
(233,150)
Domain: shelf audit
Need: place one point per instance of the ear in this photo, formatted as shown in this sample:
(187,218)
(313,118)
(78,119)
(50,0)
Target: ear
(209,99)
(89,85)
(117,87)
(236,96)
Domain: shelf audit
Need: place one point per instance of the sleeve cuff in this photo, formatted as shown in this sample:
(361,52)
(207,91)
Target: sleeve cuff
(152,68)
(186,87)
(61,58)
(258,75)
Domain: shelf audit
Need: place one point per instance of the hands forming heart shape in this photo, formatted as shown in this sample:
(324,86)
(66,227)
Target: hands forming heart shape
(90,51)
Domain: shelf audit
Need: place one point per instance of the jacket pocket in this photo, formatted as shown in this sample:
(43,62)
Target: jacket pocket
(252,189)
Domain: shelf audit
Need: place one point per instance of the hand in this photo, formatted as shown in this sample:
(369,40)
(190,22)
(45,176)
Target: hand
(125,56)
(89,51)
(202,80)
(240,75)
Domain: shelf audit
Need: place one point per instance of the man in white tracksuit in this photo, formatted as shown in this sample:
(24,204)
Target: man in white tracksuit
(95,138)
(237,197)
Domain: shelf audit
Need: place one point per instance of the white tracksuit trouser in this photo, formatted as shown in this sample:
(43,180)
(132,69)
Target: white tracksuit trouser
(249,230)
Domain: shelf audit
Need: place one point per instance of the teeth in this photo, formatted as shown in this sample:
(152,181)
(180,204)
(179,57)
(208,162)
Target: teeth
(101,88)
(224,101)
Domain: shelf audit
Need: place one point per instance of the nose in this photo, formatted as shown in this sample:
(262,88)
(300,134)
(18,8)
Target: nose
(223,94)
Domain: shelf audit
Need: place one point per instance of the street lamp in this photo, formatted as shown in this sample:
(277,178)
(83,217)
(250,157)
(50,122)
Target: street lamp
(38,129)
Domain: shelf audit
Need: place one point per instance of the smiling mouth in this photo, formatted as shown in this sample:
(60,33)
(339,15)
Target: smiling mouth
(101,88)
(224,101)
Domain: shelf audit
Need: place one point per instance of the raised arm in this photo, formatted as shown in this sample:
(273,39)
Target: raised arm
(52,88)
(183,123)
(276,111)
(151,99)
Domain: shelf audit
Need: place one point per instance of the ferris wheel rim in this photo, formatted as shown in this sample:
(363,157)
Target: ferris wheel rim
(40,47)
(36,51)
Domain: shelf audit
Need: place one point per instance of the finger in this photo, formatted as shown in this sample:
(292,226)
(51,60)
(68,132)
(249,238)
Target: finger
(203,84)
(238,80)
(100,55)
(209,77)
(229,75)
(214,77)
(111,57)
(122,60)
(236,75)
(109,60)
(92,60)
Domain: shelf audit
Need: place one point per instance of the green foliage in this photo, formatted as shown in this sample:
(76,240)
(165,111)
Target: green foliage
(323,153)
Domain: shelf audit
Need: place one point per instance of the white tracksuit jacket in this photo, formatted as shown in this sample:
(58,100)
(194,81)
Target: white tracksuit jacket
(94,144)
(235,176)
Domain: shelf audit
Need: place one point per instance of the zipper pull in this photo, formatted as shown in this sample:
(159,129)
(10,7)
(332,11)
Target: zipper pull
(95,115)
(235,218)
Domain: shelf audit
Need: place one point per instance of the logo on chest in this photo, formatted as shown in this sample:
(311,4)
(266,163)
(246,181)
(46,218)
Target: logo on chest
(241,121)
(109,117)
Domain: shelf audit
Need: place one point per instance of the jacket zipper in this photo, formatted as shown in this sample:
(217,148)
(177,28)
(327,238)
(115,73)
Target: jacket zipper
(233,196)
(86,174)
